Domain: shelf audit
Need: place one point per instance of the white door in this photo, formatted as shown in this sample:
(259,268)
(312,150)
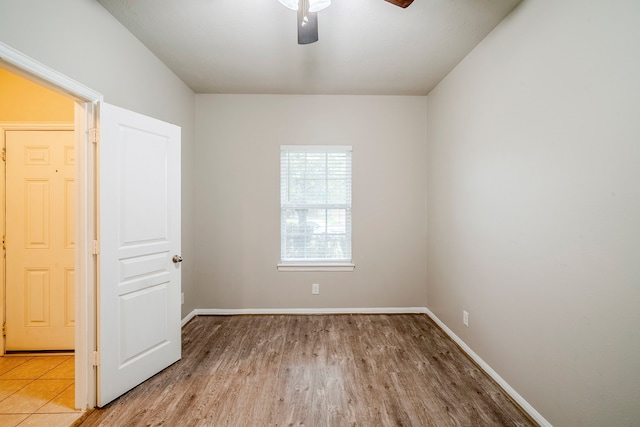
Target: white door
(40,240)
(139,287)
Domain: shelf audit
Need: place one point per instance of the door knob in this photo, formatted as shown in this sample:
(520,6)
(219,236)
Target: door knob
(177,259)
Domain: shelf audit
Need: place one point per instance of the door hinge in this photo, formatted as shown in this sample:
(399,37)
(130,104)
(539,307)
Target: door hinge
(96,359)
(4,329)
(4,242)
(4,154)
(93,135)
(95,247)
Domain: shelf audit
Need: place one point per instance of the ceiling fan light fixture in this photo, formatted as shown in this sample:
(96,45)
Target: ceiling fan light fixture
(318,5)
(291,4)
(314,5)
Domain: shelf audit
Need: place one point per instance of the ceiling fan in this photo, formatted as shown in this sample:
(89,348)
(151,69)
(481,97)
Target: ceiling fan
(308,18)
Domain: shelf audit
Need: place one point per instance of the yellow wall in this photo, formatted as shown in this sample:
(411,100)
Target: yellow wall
(24,101)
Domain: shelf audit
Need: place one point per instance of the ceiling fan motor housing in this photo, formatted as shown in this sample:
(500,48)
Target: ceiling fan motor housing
(308,20)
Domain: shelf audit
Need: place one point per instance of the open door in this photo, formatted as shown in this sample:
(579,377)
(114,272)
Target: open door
(139,262)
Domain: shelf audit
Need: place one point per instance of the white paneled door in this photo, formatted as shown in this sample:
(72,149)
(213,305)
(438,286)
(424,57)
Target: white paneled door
(40,240)
(139,260)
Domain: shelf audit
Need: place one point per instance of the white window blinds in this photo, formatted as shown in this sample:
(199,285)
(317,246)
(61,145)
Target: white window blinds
(315,202)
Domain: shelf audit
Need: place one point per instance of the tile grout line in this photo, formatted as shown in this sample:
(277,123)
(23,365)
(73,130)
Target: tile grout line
(51,379)
(26,359)
(40,379)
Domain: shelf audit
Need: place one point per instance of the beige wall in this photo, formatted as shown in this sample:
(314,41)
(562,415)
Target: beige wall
(24,101)
(534,206)
(238,211)
(531,164)
(81,39)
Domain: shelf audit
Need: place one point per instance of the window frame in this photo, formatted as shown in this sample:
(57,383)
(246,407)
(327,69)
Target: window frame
(317,265)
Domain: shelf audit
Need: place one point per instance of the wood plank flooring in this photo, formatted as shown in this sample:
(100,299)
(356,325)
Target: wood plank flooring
(319,370)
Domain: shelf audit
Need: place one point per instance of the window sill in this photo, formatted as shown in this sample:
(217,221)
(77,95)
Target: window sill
(317,267)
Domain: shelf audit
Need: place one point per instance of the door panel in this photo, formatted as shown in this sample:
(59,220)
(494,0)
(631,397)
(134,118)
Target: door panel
(40,240)
(139,321)
(69,297)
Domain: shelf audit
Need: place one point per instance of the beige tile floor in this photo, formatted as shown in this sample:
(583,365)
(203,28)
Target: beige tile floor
(37,391)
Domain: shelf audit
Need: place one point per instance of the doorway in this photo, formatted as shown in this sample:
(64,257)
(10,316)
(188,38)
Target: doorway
(38,197)
(38,216)
(126,173)
(83,102)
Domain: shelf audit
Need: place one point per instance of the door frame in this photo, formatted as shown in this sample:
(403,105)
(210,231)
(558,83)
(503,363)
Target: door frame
(87,103)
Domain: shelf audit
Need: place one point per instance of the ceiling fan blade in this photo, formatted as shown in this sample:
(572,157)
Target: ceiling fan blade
(401,3)
(307,28)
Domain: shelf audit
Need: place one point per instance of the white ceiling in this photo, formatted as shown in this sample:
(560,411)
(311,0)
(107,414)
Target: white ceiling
(366,47)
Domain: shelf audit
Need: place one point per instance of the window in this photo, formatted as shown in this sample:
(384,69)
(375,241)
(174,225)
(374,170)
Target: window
(315,208)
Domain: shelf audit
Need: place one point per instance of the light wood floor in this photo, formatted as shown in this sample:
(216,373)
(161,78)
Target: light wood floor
(329,370)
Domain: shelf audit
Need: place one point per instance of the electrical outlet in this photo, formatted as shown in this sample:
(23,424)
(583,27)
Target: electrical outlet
(182,298)
(465,318)
(315,289)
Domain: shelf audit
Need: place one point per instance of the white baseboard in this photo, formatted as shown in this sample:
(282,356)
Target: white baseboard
(535,415)
(189,316)
(249,311)
(368,310)
(530,410)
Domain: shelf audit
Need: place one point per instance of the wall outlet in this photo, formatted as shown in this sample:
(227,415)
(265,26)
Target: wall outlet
(465,318)
(315,288)
(182,298)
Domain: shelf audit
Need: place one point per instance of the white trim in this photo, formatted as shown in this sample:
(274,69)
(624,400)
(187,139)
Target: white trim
(7,126)
(537,417)
(316,267)
(275,311)
(188,318)
(299,148)
(52,78)
(86,264)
